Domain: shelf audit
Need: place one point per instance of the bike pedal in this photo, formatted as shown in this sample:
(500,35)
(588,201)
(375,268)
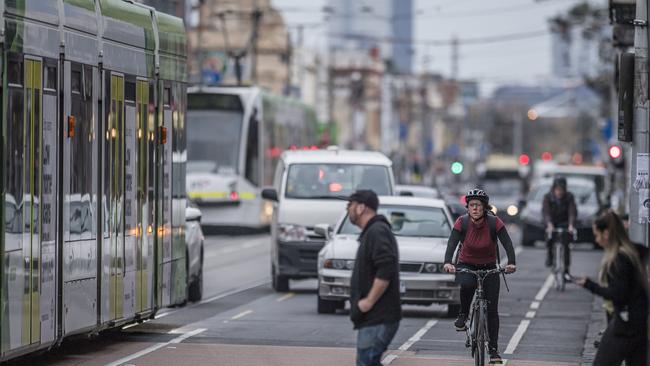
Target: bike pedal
(461,329)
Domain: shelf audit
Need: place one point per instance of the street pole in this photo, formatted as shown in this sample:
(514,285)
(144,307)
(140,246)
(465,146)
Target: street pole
(518,137)
(638,222)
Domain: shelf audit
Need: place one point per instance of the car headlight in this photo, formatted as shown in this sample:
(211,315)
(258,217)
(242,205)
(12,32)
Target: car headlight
(288,232)
(433,267)
(512,210)
(339,264)
(494,210)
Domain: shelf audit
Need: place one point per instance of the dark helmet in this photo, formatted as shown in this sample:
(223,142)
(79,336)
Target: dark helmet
(559,182)
(478,194)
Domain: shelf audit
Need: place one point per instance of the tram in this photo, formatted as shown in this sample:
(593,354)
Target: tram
(235,138)
(93,171)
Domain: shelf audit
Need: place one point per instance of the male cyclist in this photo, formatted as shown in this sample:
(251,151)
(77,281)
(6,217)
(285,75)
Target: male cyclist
(559,211)
(479,233)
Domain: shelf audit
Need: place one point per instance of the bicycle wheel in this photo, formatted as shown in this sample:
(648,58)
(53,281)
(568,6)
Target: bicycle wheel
(480,327)
(559,266)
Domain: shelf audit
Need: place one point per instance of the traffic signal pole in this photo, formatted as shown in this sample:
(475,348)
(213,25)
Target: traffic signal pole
(640,164)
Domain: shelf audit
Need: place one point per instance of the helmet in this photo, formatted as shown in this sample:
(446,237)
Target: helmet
(478,194)
(559,182)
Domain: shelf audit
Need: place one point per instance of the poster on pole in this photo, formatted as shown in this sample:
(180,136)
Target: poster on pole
(642,185)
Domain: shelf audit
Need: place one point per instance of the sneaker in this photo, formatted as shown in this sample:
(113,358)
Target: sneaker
(494,357)
(460,322)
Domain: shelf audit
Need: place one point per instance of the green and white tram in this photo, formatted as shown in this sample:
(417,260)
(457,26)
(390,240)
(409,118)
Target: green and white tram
(235,137)
(93,176)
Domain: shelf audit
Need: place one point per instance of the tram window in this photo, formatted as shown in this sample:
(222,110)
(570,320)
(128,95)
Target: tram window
(75,81)
(252,150)
(15,72)
(167,96)
(50,77)
(129,91)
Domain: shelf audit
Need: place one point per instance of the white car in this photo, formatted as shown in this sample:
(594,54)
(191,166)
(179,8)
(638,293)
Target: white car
(421,227)
(417,191)
(194,256)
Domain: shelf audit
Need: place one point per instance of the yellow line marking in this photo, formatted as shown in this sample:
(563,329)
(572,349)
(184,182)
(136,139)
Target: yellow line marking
(285,297)
(241,315)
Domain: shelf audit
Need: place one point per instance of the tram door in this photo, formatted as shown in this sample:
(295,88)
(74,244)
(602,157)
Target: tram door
(23,219)
(114,182)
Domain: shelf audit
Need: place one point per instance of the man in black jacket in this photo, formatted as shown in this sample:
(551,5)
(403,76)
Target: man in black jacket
(559,211)
(375,304)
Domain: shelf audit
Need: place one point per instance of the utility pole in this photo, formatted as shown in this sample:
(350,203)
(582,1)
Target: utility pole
(518,138)
(640,148)
(454,58)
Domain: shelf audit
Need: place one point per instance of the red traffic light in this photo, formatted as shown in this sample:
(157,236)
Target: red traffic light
(546,156)
(615,152)
(524,159)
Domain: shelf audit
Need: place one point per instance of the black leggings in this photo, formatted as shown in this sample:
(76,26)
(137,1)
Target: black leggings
(614,349)
(491,286)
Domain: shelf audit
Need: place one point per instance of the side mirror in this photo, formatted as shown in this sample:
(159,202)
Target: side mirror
(270,194)
(522,204)
(323,230)
(192,214)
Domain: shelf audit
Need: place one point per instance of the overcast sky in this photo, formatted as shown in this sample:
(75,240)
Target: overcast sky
(524,60)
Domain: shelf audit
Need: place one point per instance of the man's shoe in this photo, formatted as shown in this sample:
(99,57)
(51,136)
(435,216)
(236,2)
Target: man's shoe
(460,322)
(494,357)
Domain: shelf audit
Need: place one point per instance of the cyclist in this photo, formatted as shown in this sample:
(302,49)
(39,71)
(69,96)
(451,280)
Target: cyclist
(479,232)
(559,211)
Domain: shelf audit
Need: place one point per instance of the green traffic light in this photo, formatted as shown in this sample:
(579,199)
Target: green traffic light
(457,167)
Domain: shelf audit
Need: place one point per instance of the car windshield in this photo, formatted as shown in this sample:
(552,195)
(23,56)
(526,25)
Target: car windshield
(584,193)
(502,187)
(409,221)
(311,181)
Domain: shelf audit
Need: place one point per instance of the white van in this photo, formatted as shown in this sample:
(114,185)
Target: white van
(311,187)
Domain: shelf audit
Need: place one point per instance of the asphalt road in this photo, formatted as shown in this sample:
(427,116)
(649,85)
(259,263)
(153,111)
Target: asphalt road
(242,321)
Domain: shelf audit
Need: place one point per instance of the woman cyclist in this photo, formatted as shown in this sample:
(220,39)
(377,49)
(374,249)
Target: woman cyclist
(479,252)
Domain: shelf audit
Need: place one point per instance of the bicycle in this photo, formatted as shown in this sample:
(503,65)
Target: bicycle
(560,272)
(478,337)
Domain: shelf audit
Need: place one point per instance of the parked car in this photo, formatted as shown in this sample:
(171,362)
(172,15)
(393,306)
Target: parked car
(421,227)
(587,201)
(194,255)
(309,188)
(417,191)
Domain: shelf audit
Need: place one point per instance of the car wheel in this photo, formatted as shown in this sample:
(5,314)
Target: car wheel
(327,306)
(453,310)
(280,283)
(196,287)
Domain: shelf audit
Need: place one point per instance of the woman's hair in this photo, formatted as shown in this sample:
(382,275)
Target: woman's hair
(619,242)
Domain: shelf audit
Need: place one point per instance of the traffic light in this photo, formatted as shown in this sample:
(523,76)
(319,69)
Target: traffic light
(616,156)
(524,159)
(547,156)
(456,167)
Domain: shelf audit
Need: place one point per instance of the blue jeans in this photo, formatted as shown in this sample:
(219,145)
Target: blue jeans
(372,341)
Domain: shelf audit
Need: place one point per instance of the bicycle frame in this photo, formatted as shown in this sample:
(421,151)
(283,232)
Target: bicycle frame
(558,269)
(477,334)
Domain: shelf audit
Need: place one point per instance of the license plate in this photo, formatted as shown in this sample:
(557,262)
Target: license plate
(402,287)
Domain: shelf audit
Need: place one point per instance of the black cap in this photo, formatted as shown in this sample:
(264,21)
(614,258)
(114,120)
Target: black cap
(367,197)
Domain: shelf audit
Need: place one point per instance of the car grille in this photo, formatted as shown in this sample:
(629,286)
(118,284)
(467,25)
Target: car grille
(410,267)
(419,294)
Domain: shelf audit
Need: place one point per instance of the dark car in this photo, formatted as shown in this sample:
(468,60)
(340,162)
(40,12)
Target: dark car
(505,196)
(587,202)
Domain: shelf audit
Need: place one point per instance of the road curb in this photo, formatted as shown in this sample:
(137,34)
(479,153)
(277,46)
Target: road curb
(597,323)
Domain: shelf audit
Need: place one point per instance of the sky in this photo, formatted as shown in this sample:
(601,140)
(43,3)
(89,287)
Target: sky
(518,61)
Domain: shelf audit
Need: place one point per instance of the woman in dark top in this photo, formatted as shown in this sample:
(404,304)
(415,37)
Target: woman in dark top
(621,281)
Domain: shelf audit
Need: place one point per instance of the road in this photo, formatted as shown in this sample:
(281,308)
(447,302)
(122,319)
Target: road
(242,321)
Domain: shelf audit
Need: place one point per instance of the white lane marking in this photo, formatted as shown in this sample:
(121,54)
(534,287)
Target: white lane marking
(216,297)
(416,337)
(542,291)
(155,347)
(530,314)
(285,297)
(516,338)
(242,314)
(534,305)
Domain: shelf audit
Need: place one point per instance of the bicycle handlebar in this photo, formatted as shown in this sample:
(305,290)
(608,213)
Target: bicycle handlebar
(481,272)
